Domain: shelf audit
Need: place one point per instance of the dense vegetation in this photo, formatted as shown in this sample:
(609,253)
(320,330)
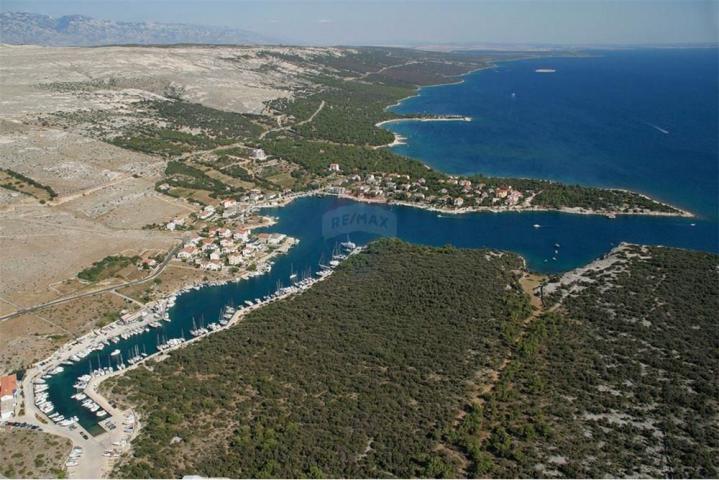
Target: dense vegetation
(219,124)
(622,381)
(351,110)
(181,127)
(413,361)
(316,157)
(358,376)
(106,268)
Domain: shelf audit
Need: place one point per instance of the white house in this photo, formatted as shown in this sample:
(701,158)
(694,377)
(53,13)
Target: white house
(258,154)
(234,259)
(187,252)
(213,265)
(207,212)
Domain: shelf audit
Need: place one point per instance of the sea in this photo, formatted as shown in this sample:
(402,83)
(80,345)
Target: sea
(644,120)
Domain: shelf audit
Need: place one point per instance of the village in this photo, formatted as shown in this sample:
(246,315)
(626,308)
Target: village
(452,193)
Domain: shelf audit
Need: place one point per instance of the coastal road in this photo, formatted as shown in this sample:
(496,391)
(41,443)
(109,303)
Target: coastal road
(75,296)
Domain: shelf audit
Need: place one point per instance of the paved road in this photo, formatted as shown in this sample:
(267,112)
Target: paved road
(75,296)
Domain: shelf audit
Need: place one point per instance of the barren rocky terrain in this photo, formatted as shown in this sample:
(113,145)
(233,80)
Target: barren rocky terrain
(71,197)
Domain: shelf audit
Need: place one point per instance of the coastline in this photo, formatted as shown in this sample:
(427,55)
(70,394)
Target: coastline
(402,140)
(514,209)
(680,213)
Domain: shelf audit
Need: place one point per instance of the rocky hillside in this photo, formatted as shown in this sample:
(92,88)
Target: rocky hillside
(78,30)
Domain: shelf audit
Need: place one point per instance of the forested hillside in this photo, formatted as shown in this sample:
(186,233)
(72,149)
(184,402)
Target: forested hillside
(621,381)
(358,377)
(415,361)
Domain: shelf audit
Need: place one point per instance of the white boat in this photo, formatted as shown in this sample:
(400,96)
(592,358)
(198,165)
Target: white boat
(536,225)
(115,352)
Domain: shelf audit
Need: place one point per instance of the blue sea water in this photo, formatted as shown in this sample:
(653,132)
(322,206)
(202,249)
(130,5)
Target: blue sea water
(558,136)
(598,120)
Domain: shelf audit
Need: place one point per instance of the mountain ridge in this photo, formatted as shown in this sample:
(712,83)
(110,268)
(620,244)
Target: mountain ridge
(19,28)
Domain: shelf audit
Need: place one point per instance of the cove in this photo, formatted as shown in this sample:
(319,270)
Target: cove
(581,238)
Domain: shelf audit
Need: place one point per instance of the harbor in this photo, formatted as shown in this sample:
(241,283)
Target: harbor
(64,386)
(66,383)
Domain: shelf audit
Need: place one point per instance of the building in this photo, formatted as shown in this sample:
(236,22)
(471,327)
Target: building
(276,238)
(207,212)
(234,259)
(514,197)
(8,396)
(149,262)
(258,154)
(502,192)
(242,235)
(213,265)
(187,252)
(334,167)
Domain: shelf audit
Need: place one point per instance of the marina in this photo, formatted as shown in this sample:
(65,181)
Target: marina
(197,311)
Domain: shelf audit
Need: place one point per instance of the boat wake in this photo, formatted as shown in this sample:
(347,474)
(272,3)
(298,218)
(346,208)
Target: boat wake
(659,129)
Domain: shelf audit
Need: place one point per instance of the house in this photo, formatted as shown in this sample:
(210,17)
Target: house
(187,252)
(227,243)
(514,197)
(502,192)
(229,203)
(258,154)
(458,202)
(231,212)
(263,237)
(208,244)
(171,225)
(214,256)
(241,234)
(224,232)
(334,167)
(8,396)
(213,265)
(275,238)
(207,212)
(234,259)
(149,262)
